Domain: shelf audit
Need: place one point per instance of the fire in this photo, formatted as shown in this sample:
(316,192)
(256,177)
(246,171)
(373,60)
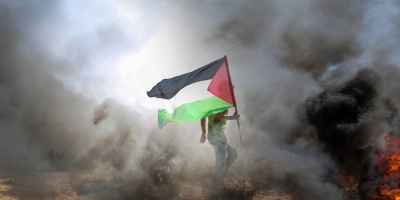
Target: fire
(388,166)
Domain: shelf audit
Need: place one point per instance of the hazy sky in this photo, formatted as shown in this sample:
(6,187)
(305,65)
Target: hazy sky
(121,49)
(131,46)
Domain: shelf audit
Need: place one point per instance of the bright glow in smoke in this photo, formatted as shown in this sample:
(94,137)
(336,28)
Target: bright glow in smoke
(158,60)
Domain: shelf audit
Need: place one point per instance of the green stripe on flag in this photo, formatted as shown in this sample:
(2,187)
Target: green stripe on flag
(193,111)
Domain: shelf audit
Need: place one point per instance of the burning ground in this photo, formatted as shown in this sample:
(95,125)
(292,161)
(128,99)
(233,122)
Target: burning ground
(316,85)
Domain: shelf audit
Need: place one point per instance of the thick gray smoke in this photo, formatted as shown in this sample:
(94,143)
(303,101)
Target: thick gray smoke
(297,50)
(351,120)
(48,122)
(289,62)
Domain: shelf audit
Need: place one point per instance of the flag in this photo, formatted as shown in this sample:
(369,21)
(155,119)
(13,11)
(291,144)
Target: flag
(193,111)
(220,86)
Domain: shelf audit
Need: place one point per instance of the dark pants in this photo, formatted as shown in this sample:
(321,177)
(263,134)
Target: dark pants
(225,155)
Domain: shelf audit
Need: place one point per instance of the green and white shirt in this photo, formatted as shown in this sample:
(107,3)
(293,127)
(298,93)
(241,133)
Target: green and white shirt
(216,129)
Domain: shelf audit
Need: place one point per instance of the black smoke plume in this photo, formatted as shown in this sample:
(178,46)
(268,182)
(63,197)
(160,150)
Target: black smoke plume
(351,120)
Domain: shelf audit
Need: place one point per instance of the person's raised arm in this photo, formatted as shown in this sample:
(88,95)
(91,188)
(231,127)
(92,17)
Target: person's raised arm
(221,116)
(203,130)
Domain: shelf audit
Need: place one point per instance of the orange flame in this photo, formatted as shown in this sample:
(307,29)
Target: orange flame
(389,162)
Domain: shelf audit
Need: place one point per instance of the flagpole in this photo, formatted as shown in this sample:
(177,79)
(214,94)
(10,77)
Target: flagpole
(234,101)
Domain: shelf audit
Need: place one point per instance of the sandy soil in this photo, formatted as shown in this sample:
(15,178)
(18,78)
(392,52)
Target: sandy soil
(72,185)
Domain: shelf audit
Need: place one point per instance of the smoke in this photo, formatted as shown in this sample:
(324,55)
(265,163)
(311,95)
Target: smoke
(351,119)
(57,105)
(309,106)
(287,53)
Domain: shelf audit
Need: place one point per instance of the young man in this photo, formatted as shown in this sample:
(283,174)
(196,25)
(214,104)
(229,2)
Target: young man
(225,155)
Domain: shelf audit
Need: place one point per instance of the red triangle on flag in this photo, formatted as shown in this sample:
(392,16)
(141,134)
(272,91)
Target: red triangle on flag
(221,84)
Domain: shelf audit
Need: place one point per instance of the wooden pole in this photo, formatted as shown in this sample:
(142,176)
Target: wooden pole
(240,132)
(234,101)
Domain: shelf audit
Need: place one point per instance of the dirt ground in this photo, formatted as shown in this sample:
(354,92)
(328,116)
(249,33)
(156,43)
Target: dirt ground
(72,185)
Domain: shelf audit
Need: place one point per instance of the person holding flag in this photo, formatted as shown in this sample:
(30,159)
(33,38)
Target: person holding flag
(214,108)
(225,154)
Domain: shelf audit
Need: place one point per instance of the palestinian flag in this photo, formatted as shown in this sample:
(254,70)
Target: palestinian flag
(220,86)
